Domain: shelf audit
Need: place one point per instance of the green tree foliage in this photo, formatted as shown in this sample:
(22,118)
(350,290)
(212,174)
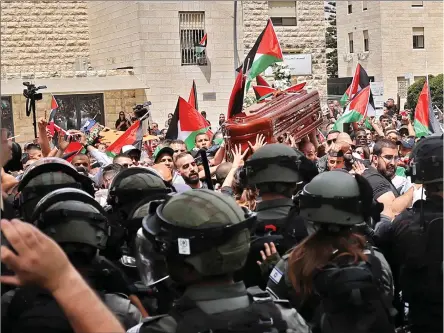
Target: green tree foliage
(436,91)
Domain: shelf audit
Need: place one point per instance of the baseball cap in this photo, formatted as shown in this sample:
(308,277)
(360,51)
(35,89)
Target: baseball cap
(163,150)
(407,143)
(391,131)
(126,149)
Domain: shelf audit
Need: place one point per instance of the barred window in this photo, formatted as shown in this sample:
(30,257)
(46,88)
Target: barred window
(350,43)
(75,110)
(7,116)
(403,86)
(192,30)
(366,45)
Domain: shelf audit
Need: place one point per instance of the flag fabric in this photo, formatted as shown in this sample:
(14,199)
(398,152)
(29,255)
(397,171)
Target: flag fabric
(201,46)
(261,91)
(356,110)
(236,102)
(425,122)
(54,107)
(296,87)
(88,125)
(265,52)
(132,136)
(261,81)
(186,124)
(359,82)
(72,150)
(193,97)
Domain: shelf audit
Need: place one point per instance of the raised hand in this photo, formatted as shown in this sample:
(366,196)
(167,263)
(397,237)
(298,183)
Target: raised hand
(260,142)
(238,156)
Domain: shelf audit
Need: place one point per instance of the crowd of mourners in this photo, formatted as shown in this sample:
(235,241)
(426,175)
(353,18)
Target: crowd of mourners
(340,231)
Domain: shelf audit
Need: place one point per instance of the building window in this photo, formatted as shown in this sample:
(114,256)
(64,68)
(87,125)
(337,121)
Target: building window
(366,46)
(364,5)
(421,77)
(417,3)
(75,110)
(350,7)
(418,38)
(403,86)
(282,13)
(7,116)
(350,42)
(192,30)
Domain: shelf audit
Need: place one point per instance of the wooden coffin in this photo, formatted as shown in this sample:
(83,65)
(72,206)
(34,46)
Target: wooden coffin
(297,114)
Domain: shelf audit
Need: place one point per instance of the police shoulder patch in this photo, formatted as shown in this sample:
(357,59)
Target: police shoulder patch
(276,275)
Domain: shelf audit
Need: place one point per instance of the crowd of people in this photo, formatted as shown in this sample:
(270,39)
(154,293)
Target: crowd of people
(340,231)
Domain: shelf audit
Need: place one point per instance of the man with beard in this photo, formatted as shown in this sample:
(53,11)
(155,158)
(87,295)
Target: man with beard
(187,168)
(380,174)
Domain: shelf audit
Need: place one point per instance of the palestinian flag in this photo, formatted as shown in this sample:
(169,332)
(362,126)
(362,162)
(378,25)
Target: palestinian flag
(425,122)
(186,124)
(356,110)
(296,87)
(201,46)
(132,136)
(265,52)
(54,107)
(261,91)
(72,150)
(236,102)
(261,81)
(359,82)
(368,124)
(192,100)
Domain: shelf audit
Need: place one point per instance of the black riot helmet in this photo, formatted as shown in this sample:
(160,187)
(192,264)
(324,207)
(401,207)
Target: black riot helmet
(15,163)
(202,228)
(426,161)
(74,219)
(45,176)
(131,185)
(273,163)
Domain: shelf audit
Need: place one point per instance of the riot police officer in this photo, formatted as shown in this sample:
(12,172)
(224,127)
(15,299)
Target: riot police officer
(413,241)
(44,176)
(275,170)
(78,224)
(332,204)
(201,237)
(126,191)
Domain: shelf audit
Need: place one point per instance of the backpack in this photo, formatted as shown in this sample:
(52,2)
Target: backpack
(262,315)
(351,297)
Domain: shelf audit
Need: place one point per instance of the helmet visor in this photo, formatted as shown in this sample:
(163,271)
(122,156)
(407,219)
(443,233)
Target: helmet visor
(151,264)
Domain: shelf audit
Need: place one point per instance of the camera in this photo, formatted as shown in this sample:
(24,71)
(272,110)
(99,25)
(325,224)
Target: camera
(31,96)
(141,110)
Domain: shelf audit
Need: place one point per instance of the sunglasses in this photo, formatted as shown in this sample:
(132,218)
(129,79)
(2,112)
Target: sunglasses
(331,141)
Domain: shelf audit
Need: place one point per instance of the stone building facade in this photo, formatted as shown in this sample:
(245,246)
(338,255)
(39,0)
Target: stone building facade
(307,36)
(401,36)
(154,40)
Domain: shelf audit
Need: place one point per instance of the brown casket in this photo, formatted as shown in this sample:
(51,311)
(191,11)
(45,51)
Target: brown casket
(297,114)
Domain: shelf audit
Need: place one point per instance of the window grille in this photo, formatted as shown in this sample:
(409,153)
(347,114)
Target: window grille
(192,30)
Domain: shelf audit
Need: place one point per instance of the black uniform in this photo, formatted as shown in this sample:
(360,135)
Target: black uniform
(413,248)
(277,222)
(205,306)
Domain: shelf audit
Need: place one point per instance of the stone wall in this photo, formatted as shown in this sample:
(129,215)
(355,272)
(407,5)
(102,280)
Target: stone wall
(391,54)
(307,37)
(39,36)
(145,35)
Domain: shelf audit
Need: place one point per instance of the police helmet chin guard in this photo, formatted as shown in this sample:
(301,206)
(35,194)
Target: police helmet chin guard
(72,216)
(214,247)
(334,198)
